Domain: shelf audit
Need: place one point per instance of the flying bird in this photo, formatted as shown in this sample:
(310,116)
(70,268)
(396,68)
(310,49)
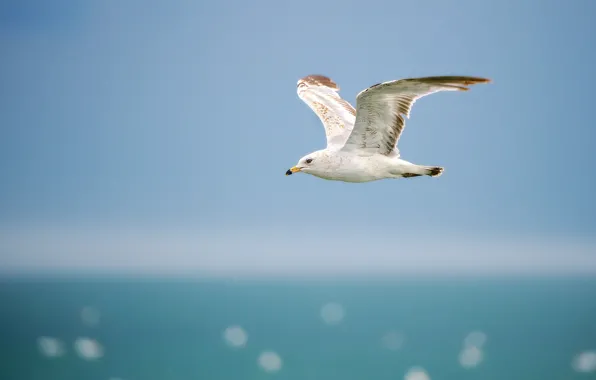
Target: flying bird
(362,142)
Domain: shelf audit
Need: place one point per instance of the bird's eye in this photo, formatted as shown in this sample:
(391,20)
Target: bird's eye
(308,160)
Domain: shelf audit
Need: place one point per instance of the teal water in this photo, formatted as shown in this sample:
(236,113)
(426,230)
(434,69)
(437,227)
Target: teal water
(173,329)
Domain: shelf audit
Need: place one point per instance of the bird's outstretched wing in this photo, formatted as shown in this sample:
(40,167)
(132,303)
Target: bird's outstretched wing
(381,108)
(336,114)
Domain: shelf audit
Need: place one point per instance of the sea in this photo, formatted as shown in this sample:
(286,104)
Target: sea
(153,328)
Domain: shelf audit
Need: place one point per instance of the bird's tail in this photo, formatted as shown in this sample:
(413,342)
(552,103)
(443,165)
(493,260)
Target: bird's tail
(433,171)
(419,170)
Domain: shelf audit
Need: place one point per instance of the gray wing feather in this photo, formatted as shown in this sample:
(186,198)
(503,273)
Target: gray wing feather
(338,116)
(381,110)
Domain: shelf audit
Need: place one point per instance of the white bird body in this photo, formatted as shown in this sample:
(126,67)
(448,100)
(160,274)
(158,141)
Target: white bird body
(347,167)
(362,142)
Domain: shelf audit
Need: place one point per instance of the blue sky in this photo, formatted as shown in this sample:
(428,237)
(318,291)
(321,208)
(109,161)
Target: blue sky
(184,115)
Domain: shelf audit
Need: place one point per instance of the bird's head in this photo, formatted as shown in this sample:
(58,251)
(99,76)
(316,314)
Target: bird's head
(312,163)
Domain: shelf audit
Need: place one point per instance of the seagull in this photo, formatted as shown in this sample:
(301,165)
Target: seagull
(362,142)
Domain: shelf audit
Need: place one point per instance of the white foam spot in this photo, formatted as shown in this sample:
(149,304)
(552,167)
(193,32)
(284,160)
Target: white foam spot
(585,362)
(88,349)
(475,339)
(416,373)
(332,313)
(50,347)
(270,361)
(90,316)
(470,357)
(393,340)
(235,336)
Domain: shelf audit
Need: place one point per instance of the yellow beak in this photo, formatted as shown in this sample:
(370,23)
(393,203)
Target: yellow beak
(293,170)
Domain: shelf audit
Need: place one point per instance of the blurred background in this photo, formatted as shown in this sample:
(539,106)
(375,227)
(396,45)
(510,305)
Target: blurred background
(147,230)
